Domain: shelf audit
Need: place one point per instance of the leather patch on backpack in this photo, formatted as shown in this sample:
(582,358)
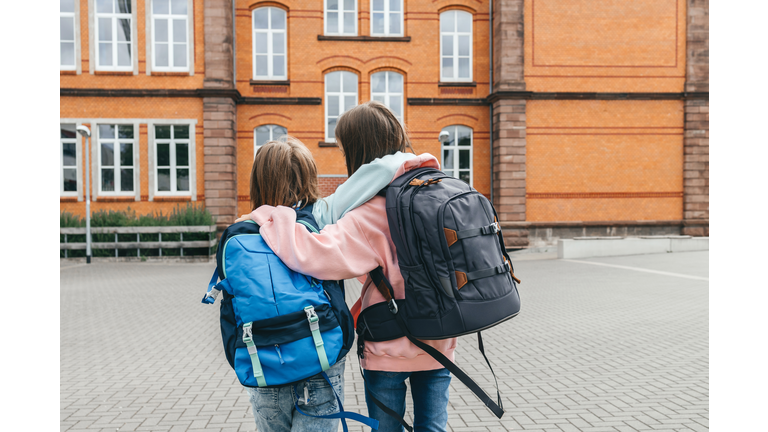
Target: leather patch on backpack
(450,236)
(461,279)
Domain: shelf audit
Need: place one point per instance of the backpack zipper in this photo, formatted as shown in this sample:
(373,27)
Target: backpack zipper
(279,354)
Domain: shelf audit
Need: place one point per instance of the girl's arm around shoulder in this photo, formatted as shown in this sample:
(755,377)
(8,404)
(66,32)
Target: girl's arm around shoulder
(339,251)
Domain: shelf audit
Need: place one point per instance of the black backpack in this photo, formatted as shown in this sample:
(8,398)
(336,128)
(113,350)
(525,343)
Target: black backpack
(458,277)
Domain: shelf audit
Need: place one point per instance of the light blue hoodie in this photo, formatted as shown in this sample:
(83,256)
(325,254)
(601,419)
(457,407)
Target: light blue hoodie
(363,185)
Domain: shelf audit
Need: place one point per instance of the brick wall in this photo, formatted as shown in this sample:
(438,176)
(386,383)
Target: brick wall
(328,185)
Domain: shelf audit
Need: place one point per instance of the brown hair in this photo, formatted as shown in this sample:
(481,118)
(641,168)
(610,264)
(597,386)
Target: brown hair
(369,131)
(284,173)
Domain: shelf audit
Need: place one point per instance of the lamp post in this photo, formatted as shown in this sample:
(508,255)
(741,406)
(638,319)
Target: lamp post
(84,131)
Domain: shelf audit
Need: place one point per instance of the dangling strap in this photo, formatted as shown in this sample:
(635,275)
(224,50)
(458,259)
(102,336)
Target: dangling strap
(210,295)
(314,326)
(258,373)
(388,411)
(343,415)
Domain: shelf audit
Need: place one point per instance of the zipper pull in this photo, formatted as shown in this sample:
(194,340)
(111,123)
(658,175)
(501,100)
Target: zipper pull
(279,354)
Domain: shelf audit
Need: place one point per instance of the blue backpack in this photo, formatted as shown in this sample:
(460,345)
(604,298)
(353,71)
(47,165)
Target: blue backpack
(279,327)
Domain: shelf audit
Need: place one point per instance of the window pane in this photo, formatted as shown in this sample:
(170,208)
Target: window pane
(66,28)
(451,135)
(447,67)
(447,45)
(378,5)
(463,68)
(162,132)
(350,82)
(448,159)
(126,155)
(179,7)
(260,40)
(380,98)
(161,30)
(66,5)
(464,175)
(164,180)
(261,18)
(463,45)
(464,136)
(464,159)
(349,103)
(278,18)
(182,179)
(163,155)
(105,54)
(395,102)
(262,66)
(278,43)
(262,135)
(126,180)
(349,5)
(278,64)
(161,54)
(108,154)
(179,55)
(394,23)
(447,23)
(333,5)
(68,154)
(378,23)
(160,6)
(181,132)
(70,180)
(124,6)
(333,82)
(104,5)
(108,180)
(464,22)
(105,29)
(333,106)
(349,22)
(378,82)
(395,82)
(125,131)
(278,131)
(67,54)
(182,155)
(394,5)
(179,30)
(124,54)
(331,129)
(106,131)
(448,172)
(68,131)
(333,22)
(123,30)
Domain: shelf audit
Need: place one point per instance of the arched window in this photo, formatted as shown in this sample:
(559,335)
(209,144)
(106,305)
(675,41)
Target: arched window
(265,133)
(269,44)
(455,46)
(340,96)
(387,88)
(457,153)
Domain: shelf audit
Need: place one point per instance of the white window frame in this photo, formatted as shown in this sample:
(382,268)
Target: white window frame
(114,16)
(272,136)
(455,54)
(341,94)
(339,31)
(387,94)
(270,54)
(172,154)
(170,17)
(456,148)
(75,35)
(387,18)
(74,141)
(116,164)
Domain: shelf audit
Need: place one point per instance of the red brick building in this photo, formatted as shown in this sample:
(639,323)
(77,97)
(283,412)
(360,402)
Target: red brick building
(598,108)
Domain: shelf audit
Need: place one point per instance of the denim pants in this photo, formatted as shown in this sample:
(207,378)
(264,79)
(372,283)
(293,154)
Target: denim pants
(274,411)
(430,398)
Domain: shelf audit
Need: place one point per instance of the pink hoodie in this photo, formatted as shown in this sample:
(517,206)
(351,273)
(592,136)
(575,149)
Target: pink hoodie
(357,244)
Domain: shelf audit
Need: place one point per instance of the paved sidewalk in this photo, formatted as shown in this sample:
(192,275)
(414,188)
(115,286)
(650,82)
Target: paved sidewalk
(596,348)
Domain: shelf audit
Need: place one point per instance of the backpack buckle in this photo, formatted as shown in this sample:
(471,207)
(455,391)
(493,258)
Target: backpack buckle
(495,228)
(392,306)
(247,332)
(312,318)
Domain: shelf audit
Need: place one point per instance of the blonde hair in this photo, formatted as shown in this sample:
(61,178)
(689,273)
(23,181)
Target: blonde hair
(284,173)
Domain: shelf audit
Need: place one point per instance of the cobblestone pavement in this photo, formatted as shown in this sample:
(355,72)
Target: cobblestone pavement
(596,348)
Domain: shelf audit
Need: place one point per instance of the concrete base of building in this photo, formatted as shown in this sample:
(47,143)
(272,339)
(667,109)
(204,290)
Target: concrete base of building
(163,259)
(603,246)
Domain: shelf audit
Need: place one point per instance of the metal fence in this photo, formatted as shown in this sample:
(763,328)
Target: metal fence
(138,244)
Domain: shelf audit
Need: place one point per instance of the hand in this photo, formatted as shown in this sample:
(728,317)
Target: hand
(244,217)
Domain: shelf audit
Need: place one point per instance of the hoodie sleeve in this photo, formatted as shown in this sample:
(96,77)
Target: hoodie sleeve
(339,251)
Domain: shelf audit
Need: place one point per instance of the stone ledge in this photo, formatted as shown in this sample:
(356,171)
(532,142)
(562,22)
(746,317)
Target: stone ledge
(588,247)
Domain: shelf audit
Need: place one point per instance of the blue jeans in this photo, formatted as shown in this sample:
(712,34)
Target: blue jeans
(430,398)
(274,411)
